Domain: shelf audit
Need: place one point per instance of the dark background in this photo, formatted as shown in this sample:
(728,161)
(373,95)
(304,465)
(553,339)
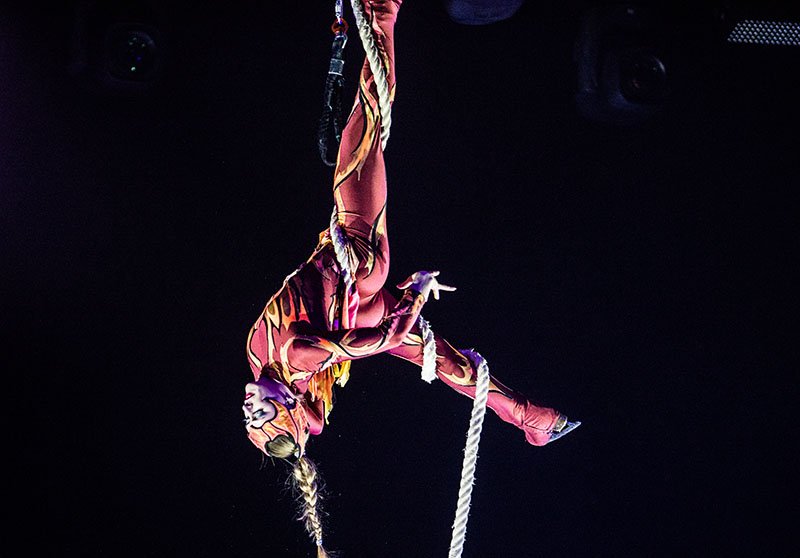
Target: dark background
(640,278)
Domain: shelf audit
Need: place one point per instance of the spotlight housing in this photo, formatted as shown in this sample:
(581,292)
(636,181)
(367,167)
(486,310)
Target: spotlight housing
(131,52)
(620,55)
(118,47)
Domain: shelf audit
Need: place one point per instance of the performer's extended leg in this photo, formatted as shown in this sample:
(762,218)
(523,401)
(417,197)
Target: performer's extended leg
(360,178)
(459,372)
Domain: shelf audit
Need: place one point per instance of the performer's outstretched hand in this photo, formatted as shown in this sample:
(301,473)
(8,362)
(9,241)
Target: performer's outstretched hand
(424,282)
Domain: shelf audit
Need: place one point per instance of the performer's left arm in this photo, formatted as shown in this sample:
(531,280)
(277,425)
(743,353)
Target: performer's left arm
(315,412)
(310,351)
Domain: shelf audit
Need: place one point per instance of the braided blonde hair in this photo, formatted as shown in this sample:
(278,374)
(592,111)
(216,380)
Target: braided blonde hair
(306,487)
(305,476)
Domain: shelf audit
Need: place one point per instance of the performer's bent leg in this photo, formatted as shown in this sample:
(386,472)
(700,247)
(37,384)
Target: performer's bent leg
(360,178)
(460,373)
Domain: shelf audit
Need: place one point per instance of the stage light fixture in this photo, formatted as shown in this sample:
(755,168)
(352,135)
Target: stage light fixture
(620,57)
(131,52)
(118,47)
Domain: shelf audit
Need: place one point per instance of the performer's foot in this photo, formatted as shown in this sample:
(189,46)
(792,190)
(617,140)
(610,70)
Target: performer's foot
(563,427)
(382,15)
(385,11)
(541,425)
(538,436)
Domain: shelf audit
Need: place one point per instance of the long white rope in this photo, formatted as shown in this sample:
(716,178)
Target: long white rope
(429,345)
(378,71)
(470,454)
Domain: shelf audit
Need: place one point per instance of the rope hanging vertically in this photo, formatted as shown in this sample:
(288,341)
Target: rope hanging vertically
(429,345)
(378,70)
(470,453)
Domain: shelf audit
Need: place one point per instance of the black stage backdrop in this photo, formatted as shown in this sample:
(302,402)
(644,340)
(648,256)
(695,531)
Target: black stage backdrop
(642,279)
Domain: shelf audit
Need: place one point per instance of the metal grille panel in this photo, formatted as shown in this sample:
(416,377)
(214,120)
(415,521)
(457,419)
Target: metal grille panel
(766,33)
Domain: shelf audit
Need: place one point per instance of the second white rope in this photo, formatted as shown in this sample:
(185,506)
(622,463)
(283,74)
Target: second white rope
(470,453)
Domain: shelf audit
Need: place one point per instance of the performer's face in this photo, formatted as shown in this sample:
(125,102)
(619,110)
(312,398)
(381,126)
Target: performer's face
(271,411)
(257,407)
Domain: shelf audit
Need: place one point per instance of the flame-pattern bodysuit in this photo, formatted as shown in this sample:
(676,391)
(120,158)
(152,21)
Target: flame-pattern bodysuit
(313,326)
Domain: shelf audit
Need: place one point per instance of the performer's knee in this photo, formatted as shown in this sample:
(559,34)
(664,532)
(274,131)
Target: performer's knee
(372,253)
(370,279)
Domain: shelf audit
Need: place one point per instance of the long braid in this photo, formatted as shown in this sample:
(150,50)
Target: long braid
(305,476)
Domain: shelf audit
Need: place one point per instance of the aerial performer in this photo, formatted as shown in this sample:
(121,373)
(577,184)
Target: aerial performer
(336,308)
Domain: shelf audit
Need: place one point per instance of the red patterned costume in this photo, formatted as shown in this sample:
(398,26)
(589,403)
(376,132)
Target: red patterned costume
(314,326)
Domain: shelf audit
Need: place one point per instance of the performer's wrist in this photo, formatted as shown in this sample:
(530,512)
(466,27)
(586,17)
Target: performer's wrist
(414,292)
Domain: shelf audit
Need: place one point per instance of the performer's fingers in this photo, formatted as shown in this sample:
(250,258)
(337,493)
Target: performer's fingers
(439,287)
(407,283)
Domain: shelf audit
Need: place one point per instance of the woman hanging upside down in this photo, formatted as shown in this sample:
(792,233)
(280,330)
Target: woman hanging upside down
(319,321)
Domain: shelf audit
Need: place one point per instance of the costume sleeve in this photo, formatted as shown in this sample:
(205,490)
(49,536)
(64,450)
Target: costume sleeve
(315,412)
(309,350)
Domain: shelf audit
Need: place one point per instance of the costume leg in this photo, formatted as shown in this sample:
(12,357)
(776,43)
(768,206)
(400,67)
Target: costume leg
(359,187)
(460,373)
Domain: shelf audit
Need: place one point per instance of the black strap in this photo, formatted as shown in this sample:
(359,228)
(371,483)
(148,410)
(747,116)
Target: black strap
(329,132)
